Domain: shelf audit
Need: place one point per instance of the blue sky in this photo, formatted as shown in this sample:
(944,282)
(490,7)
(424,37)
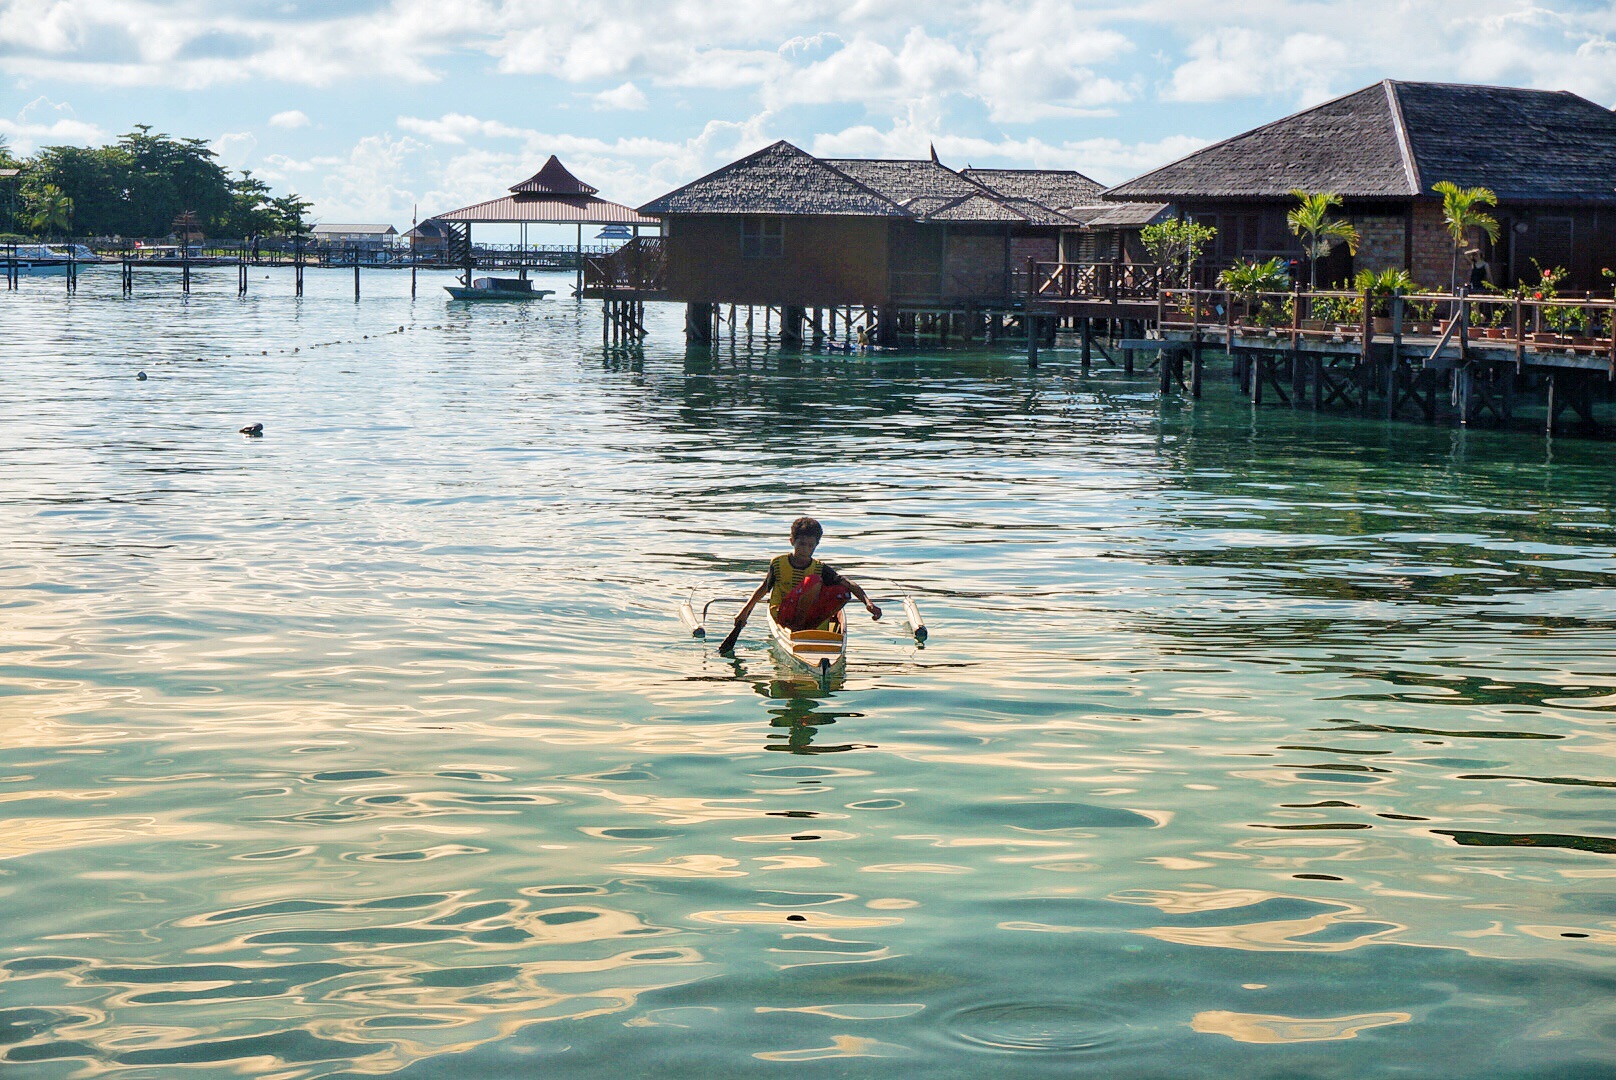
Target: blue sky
(369,107)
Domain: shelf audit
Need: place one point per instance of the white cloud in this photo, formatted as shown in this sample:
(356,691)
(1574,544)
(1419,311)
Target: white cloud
(627,97)
(291,118)
(43,122)
(234,148)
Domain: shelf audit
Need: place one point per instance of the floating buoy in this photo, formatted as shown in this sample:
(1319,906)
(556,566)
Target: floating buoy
(141,375)
(253,431)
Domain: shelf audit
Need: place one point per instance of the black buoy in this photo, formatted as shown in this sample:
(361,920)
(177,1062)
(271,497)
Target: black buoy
(254,431)
(140,376)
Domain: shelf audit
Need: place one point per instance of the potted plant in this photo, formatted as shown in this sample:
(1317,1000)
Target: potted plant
(1381,286)
(1247,281)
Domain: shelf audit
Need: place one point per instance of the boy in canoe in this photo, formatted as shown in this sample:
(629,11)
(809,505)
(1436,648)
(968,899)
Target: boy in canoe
(803,592)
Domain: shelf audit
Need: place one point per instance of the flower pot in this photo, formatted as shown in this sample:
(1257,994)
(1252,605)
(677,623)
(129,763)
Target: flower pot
(1382,325)
(1314,324)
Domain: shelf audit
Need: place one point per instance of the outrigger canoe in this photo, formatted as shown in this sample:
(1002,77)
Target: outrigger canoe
(817,651)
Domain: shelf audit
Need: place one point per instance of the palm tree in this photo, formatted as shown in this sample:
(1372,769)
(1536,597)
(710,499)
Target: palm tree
(52,210)
(1461,212)
(1319,231)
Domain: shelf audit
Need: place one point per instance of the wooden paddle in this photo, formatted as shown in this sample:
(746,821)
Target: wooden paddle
(727,646)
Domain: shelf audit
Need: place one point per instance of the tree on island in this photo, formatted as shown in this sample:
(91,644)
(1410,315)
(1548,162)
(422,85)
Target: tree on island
(140,184)
(50,211)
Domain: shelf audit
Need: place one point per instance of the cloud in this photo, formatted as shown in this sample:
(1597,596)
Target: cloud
(291,118)
(234,148)
(627,97)
(43,122)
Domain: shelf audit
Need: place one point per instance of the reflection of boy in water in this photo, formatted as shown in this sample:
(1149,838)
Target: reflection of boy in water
(803,592)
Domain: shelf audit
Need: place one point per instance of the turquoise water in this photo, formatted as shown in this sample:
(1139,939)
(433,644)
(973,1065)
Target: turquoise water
(1243,744)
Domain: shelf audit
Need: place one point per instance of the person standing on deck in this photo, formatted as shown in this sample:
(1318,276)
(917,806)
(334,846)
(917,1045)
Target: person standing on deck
(1478,270)
(803,592)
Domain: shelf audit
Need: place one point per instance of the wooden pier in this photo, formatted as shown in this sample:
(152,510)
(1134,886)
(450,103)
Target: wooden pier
(1472,358)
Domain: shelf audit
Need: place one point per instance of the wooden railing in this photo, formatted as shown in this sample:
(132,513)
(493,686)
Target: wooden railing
(1097,282)
(1572,325)
(639,266)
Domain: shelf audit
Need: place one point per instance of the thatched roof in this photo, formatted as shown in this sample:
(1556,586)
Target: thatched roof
(781,179)
(1396,139)
(778,179)
(1123,215)
(1057,189)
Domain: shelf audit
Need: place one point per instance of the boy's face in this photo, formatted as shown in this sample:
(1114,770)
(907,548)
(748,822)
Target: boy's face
(803,546)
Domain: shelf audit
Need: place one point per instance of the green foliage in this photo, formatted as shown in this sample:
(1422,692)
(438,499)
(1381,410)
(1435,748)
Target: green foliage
(1462,213)
(141,184)
(50,211)
(1249,278)
(1382,285)
(1311,221)
(1338,309)
(1177,244)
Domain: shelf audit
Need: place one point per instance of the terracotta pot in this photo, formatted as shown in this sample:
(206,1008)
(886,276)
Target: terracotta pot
(1382,325)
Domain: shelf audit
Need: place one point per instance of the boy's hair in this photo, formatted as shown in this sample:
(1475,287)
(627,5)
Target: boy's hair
(806,526)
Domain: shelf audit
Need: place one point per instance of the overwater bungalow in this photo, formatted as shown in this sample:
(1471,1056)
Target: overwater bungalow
(1549,156)
(784,229)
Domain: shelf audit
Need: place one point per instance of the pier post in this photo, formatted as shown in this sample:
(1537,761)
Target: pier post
(1032,340)
(1088,343)
(356,276)
(241,277)
(791,327)
(699,323)
(886,326)
(128,276)
(1197,367)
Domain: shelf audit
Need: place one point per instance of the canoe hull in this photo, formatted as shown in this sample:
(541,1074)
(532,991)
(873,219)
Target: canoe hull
(814,652)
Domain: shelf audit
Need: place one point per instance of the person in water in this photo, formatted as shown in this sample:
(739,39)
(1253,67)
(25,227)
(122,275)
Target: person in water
(803,592)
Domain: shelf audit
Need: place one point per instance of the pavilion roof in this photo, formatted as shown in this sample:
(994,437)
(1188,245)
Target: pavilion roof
(554,179)
(1396,139)
(551,196)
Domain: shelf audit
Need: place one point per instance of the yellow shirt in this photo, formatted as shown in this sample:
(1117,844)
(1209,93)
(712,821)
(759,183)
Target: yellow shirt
(783,577)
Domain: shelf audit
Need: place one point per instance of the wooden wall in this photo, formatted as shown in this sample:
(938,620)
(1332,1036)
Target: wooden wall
(826,261)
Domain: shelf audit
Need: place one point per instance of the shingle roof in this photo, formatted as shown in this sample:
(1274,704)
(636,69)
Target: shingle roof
(1396,139)
(1058,189)
(779,179)
(1523,144)
(902,181)
(1122,215)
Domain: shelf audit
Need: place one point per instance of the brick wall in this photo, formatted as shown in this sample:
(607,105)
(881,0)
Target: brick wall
(1433,247)
(1380,242)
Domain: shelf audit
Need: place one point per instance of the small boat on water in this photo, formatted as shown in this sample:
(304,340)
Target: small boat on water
(493,288)
(818,652)
(43,259)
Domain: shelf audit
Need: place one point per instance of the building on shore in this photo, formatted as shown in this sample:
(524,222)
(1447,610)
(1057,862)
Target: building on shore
(356,237)
(1549,156)
(897,238)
